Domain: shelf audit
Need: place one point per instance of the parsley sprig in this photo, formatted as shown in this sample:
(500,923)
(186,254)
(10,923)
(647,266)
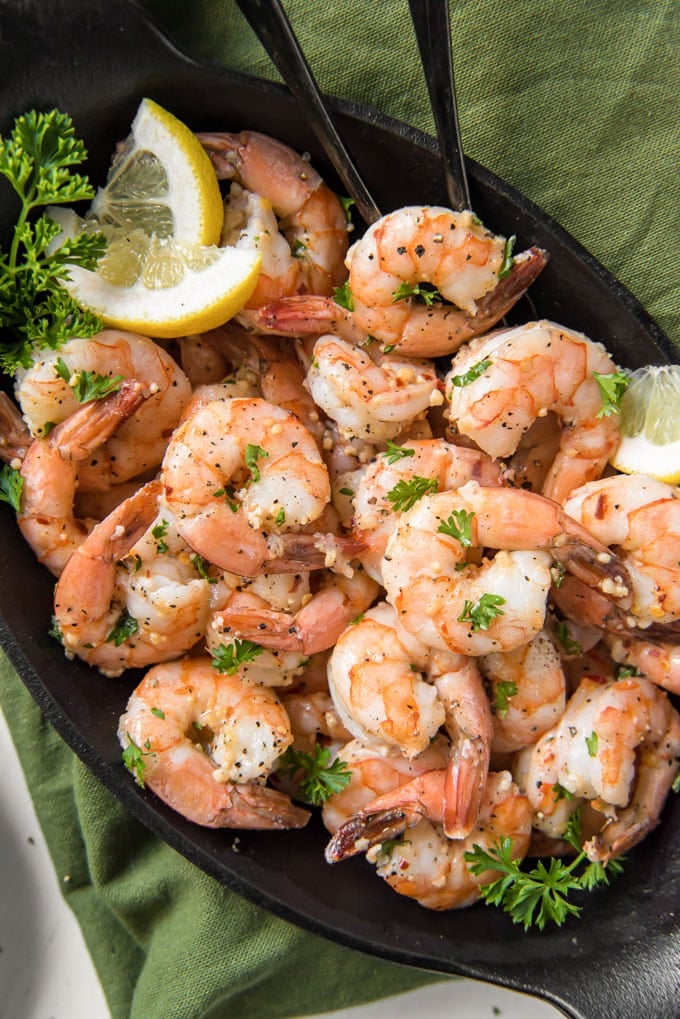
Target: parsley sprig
(11,486)
(36,310)
(540,895)
(612,387)
(406,494)
(88,385)
(482,612)
(424,291)
(316,776)
(230,657)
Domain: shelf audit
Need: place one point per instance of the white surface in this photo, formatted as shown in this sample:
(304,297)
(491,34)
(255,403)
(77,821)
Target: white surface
(45,969)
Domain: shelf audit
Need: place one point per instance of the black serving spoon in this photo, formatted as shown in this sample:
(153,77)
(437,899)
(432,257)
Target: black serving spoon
(270,23)
(432,27)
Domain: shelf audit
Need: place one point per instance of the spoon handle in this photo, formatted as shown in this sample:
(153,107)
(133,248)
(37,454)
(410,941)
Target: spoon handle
(431,23)
(270,24)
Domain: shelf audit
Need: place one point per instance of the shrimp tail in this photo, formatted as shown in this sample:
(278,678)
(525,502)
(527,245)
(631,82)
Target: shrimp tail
(259,807)
(306,315)
(15,437)
(464,787)
(526,267)
(103,418)
(590,561)
(367,829)
(290,553)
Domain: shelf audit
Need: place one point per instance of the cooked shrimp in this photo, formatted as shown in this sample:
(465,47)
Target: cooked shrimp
(501,603)
(374,772)
(311,217)
(50,472)
(617,744)
(149,608)
(449,251)
(445,465)
(311,710)
(46,397)
(370,395)
(205,743)
(531,370)
(425,865)
(528,691)
(242,476)
(312,621)
(393,692)
(658,662)
(641,518)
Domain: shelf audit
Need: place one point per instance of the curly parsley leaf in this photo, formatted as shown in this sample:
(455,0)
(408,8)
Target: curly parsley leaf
(393,453)
(317,777)
(612,387)
(253,454)
(35,309)
(406,494)
(230,657)
(88,385)
(126,627)
(506,264)
(424,292)
(133,759)
(482,612)
(459,381)
(503,692)
(11,486)
(343,296)
(540,895)
(458,525)
(571,646)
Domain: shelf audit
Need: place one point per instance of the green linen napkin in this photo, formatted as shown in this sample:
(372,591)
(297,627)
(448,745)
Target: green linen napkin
(574,102)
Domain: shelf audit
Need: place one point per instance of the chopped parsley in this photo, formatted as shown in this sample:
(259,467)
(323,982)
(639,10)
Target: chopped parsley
(317,777)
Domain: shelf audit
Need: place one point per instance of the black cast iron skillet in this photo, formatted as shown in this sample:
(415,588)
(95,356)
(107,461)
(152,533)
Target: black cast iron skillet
(96,59)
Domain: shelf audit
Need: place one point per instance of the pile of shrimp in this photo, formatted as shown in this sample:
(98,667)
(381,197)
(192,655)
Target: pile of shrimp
(311,535)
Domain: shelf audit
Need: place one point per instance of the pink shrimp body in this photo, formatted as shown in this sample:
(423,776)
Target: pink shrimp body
(206,741)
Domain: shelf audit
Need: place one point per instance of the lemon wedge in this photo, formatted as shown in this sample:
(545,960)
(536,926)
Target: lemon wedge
(650,424)
(161,181)
(161,212)
(163,289)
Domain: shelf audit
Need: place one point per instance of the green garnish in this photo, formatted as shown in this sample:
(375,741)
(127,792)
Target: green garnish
(406,494)
(539,895)
(558,573)
(482,612)
(626,671)
(504,691)
(459,381)
(253,454)
(506,264)
(387,847)
(612,387)
(280,517)
(320,779)
(571,646)
(393,453)
(347,491)
(133,759)
(560,793)
(126,627)
(425,291)
(458,525)
(592,744)
(34,306)
(230,657)
(347,204)
(160,532)
(676,783)
(11,486)
(298,249)
(343,296)
(88,386)
(158,713)
(202,566)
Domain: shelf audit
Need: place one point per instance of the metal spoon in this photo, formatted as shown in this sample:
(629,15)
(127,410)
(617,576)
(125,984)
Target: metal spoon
(431,23)
(270,24)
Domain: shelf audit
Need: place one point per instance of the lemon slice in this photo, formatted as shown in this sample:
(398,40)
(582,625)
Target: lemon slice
(161,181)
(650,424)
(163,289)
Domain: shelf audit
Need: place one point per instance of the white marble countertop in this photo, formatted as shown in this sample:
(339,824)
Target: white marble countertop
(46,971)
